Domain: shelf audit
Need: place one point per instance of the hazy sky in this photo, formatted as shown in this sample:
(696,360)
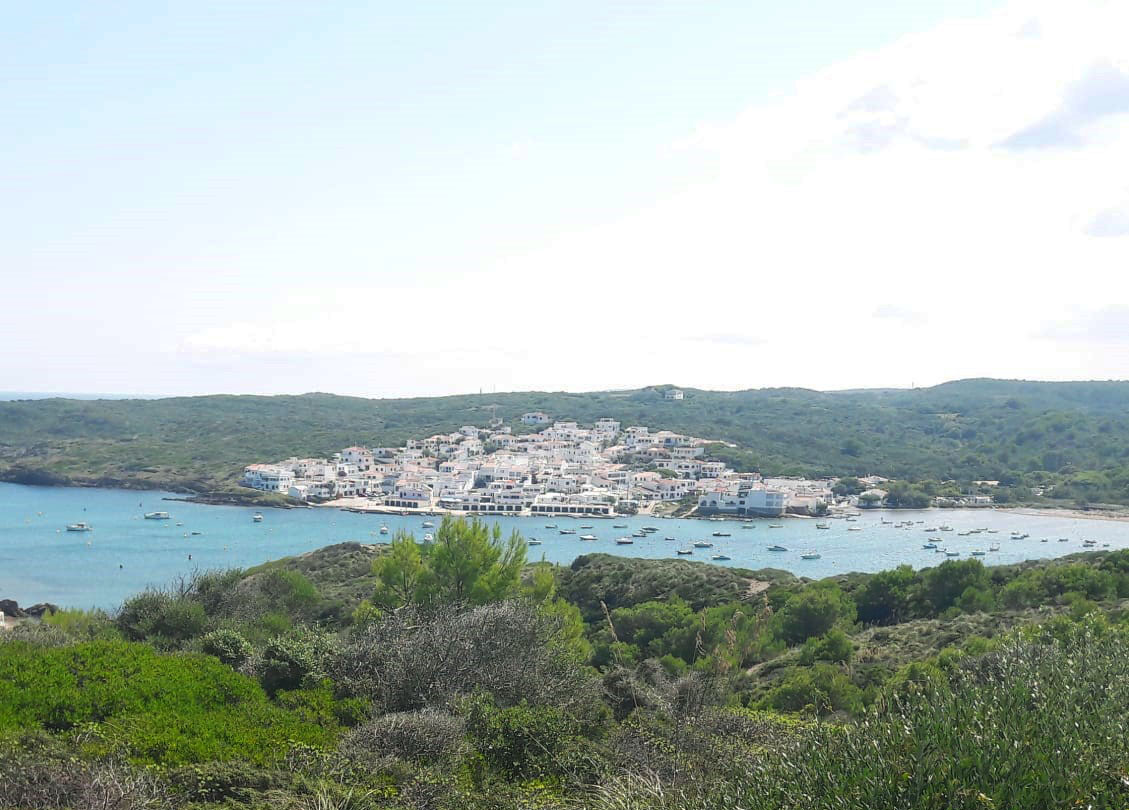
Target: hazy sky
(423,198)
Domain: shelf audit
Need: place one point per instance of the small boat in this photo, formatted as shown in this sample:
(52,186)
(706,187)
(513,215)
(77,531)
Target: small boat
(1063,540)
(257,517)
(963,534)
(158,516)
(79,527)
(588,537)
(586,526)
(720,557)
(854,528)
(1089,543)
(195,534)
(179,524)
(747,526)
(992,531)
(978,552)
(650,528)
(550,525)
(810,555)
(427,524)
(722,534)
(624,541)
(776,525)
(777,548)
(931,529)
(685,551)
(533,541)
(823,525)
(639,534)
(427,538)
(568,531)
(702,544)
(384,530)
(1044,540)
(930,545)
(619,525)
(994,547)
(952,553)
(946,528)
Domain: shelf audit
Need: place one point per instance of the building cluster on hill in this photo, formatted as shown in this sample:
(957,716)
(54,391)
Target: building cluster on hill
(563,468)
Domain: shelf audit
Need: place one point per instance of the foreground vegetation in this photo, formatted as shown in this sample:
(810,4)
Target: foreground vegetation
(1070,440)
(457,675)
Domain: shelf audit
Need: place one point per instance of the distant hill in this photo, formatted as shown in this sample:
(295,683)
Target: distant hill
(1075,434)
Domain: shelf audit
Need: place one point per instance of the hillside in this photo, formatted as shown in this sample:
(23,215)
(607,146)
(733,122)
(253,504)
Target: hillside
(1074,434)
(614,683)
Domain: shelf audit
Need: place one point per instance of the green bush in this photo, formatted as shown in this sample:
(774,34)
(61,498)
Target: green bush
(228,646)
(163,709)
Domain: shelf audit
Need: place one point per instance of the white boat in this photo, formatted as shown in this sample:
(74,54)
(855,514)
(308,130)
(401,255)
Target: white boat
(619,525)
(588,537)
(854,528)
(702,544)
(685,551)
(994,547)
(930,545)
(747,526)
(952,553)
(157,515)
(533,541)
(550,525)
(79,527)
(624,541)
(776,525)
(384,530)
(568,531)
(427,538)
(427,524)
(585,526)
(639,534)
(722,534)
(810,555)
(946,528)
(720,557)
(777,548)
(823,525)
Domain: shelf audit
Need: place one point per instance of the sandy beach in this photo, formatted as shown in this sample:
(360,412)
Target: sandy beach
(1081,514)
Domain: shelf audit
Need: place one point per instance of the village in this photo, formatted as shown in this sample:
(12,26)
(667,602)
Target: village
(547,467)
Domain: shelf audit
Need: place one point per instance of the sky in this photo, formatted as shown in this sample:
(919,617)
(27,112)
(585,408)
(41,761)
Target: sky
(408,199)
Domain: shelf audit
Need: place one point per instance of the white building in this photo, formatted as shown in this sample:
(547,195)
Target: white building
(535,418)
(674,393)
(268,477)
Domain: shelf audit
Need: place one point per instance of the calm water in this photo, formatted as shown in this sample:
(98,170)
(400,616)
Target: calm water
(41,562)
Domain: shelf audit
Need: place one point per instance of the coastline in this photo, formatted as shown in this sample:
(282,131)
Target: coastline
(1078,514)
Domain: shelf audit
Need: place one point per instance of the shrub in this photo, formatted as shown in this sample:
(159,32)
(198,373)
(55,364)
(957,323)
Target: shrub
(425,736)
(228,646)
(295,659)
(523,741)
(414,659)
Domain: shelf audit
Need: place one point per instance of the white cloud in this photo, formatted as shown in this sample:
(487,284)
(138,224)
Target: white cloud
(957,176)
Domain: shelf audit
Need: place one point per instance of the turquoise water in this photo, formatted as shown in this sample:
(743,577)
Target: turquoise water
(41,562)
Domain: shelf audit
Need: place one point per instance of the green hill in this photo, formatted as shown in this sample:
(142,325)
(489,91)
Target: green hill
(1071,434)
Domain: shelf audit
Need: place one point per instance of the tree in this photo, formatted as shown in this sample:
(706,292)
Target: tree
(814,611)
(885,598)
(399,573)
(467,563)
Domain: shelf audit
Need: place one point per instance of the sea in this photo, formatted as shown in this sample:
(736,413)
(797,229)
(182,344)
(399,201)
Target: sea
(124,553)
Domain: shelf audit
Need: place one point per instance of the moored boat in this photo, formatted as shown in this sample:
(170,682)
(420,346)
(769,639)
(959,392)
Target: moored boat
(777,548)
(79,527)
(157,515)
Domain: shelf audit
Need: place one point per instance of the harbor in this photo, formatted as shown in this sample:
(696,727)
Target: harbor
(123,552)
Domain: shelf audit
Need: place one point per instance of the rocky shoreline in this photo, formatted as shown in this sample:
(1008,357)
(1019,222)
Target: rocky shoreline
(10,609)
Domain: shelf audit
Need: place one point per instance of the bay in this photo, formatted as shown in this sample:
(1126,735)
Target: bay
(41,562)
